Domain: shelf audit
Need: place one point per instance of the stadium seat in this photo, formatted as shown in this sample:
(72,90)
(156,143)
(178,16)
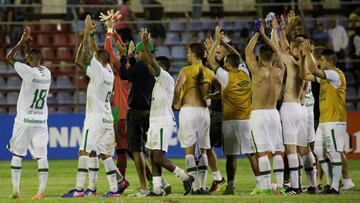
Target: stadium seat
(12,110)
(43,40)
(51,110)
(47,27)
(178,52)
(64,54)
(73,39)
(351,92)
(240,24)
(51,99)
(2,82)
(195,26)
(82,81)
(60,39)
(172,38)
(63,82)
(13,82)
(66,67)
(176,26)
(350,107)
(3,111)
(358,106)
(162,51)
(80,97)
(64,109)
(47,53)
(2,53)
(63,27)
(78,26)
(64,98)
(2,98)
(209,25)
(12,97)
(226,25)
(350,79)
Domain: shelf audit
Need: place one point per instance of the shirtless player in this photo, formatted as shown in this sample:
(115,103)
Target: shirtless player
(265,120)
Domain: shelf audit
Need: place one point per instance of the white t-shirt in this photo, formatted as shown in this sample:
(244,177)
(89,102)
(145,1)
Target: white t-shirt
(333,77)
(162,97)
(31,106)
(98,94)
(309,97)
(223,75)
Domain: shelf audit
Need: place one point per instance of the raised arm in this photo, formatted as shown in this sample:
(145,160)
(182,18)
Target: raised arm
(152,64)
(269,42)
(211,56)
(10,57)
(78,57)
(284,44)
(249,53)
(85,52)
(310,62)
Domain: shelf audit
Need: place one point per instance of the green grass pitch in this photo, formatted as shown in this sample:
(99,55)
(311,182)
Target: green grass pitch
(62,174)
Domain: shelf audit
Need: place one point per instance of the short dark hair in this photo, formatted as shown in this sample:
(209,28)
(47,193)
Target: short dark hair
(164,62)
(233,59)
(266,53)
(296,42)
(198,50)
(104,55)
(318,51)
(35,53)
(330,56)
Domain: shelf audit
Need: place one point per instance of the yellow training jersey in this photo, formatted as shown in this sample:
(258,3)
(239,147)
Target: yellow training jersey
(236,97)
(332,100)
(196,75)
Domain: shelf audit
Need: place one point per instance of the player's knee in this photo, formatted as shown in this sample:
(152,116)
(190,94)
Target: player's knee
(157,158)
(92,154)
(335,156)
(104,156)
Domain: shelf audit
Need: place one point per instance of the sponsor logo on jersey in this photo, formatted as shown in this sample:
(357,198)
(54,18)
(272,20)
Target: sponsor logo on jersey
(40,81)
(108,121)
(34,121)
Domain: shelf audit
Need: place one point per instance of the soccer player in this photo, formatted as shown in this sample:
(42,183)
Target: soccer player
(162,120)
(332,128)
(236,103)
(30,127)
(294,124)
(265,123)
(191,88)
(215,123)
(137,117)
(98,125)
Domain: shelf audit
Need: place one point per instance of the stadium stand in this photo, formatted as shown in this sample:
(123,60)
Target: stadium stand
(57,40)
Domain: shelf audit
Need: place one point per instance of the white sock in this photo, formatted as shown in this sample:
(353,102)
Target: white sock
(202,167)
(336,166)
(192,170)
(265,172)
(258,182)
(310,169)
(82,172)
(278,166)
(43,168)
(15,173)
(181,174)
(325,164)
(93,172)
(294,170)
(217,175)
(111,172)
(301,166)
(156,184)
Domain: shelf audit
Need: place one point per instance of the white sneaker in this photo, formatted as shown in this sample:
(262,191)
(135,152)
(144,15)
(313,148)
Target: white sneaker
(347,184)
(140,193)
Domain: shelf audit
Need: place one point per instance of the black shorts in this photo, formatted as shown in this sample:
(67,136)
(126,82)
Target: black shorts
(215,129)
(137,124)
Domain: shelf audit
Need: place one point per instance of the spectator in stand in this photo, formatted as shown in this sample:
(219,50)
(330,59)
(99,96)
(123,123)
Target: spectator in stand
(339,37)
(356,43)
(122,27)
(155,12)
(321,37)
(354,22)
(14,14)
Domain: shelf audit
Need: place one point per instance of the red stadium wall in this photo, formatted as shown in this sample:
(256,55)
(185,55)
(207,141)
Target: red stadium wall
(353,128)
